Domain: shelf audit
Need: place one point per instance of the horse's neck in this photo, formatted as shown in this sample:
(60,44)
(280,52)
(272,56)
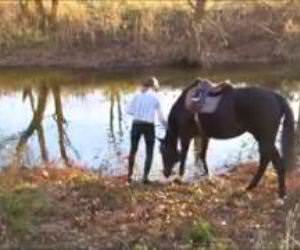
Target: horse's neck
(173,124)
(172,136)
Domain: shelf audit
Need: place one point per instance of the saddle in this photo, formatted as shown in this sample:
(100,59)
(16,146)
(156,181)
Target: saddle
(205,97)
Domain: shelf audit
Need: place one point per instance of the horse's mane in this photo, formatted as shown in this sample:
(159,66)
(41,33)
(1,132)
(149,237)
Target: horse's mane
(181,99)
(185,90)
(177,106)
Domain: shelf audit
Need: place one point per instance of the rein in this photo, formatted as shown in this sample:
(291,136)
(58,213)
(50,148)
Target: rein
(198,123)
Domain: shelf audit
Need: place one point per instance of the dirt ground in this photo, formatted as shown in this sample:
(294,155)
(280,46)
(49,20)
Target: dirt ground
(58,208)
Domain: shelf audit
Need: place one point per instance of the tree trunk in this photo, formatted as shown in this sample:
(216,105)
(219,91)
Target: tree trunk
(25,13)
(41,14)
(53,13)
(198,7)
(195,48)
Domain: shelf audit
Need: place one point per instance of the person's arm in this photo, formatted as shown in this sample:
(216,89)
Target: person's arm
(161,116)
(131,106)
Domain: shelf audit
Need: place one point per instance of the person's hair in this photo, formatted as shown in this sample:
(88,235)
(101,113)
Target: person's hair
(151,82)
(148,82)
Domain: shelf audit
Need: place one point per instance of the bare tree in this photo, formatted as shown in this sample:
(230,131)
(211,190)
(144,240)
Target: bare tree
(41,14)
(45,18)
(53,13)
(198,7)
(194,49)
(24,7)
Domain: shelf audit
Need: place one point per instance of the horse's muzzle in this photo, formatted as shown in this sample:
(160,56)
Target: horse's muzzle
(168,173)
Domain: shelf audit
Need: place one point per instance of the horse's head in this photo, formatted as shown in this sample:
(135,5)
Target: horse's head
(170,155)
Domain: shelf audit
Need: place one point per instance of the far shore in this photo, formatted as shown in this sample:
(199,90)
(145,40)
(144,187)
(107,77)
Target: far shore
(93,60)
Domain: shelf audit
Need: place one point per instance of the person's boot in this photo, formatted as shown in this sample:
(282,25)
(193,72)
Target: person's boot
(146,180)
(130,171)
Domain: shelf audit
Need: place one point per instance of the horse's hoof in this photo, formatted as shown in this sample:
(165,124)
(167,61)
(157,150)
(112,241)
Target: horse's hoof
(178,181)
(146,182)
(205,174)
(249,188)
(239,193)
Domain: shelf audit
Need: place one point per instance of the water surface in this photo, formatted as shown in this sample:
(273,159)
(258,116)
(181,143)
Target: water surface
(78,116)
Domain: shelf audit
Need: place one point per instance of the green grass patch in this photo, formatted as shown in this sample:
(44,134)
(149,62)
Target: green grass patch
(202,233)
(23,209)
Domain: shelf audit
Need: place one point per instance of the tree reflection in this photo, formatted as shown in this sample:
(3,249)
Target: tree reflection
(113,93)
(60,122)
(111,118)
(36,122)
(298,128)
(37,119)
(40,129)
(115,106)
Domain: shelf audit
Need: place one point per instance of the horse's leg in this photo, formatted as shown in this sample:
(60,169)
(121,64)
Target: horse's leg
(265,151)
(278,165)
(185,143)
(204,146)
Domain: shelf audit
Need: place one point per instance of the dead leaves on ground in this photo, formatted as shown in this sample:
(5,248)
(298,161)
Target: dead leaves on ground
(104,210)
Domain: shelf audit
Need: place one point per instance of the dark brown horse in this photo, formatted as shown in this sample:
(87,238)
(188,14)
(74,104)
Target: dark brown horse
(248,109)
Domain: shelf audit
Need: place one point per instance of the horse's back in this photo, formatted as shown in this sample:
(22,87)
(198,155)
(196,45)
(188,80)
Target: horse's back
(257,109)
(223,123)
(247,109)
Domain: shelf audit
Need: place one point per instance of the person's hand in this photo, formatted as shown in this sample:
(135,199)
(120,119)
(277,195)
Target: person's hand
(165,124)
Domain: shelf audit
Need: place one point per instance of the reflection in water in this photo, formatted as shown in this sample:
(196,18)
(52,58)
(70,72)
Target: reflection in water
(115,130)
(298,127)
(89,113)
(115,98)
(27,92)
(36,122)
(61,122)
(115,109)
(40,130)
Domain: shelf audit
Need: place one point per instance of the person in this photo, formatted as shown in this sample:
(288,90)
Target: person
(143,108)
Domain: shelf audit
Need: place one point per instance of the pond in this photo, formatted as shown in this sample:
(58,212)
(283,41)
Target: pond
(78,116)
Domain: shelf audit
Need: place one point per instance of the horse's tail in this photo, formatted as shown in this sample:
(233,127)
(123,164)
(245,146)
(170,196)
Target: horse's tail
(288,134)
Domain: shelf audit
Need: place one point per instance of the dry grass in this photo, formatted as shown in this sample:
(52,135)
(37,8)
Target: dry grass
(144,33)
(291,240)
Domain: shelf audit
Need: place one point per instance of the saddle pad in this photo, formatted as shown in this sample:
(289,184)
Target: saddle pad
(210,104)
(195,102)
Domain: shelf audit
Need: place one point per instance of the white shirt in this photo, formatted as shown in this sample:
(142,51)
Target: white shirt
(144,106)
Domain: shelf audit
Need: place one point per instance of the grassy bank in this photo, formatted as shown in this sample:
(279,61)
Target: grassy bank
(109,34)
(57,208)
